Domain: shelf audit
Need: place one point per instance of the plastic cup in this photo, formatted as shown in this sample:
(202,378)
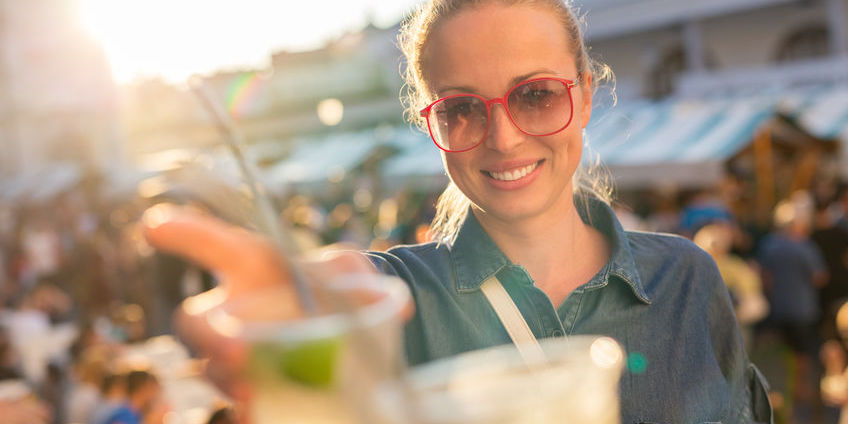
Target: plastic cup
(322,369)
(576,384)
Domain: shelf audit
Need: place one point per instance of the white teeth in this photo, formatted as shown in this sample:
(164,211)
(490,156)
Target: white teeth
(514,174)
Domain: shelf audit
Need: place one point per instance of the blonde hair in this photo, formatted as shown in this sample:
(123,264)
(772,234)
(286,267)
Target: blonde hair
(452,206)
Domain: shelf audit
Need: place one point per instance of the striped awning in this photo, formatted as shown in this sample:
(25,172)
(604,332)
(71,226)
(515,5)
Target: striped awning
(686,141)
(418,157)
(821,110)
(323,159)
(677,131)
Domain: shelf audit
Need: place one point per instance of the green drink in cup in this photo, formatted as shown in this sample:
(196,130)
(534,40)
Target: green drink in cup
(320,369)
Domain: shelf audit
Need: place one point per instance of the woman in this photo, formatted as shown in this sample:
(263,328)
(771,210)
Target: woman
(505,90)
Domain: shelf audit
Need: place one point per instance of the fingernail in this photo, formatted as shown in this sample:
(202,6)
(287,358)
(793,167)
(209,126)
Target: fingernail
(201,303)
(157,215)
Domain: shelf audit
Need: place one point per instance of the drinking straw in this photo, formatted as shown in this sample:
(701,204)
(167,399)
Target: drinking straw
(268,221)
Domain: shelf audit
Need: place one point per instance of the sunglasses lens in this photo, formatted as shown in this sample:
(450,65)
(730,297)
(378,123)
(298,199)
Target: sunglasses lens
(458,123)
(540,107)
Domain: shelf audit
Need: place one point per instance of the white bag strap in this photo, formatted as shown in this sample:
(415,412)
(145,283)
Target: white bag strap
(513,321)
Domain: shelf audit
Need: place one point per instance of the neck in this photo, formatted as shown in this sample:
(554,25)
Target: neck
(557,248)
(796,233)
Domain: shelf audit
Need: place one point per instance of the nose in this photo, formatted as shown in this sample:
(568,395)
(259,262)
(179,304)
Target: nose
(503,135)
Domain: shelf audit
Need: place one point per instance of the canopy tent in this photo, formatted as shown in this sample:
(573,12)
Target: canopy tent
(418,164)
(324,159)
(687,141)
(42,184)
(419,160)
(821,110)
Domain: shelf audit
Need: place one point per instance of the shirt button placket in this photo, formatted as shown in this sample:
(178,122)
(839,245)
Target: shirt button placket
(544,311)
(569,310)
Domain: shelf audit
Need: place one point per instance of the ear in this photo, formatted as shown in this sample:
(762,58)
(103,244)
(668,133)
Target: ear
(585,109)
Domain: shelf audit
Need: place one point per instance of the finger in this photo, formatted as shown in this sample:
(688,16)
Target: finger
(227,356)
(230,251)
(352,261)
(186,232)
(327,263)
(408,311)
(368,297)
(190,320)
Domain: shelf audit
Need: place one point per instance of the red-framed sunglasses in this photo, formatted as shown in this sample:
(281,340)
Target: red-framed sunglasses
(537,107)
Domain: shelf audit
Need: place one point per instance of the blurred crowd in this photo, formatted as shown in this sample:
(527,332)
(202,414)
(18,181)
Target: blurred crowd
(787,274)
(86,305)
(80,308)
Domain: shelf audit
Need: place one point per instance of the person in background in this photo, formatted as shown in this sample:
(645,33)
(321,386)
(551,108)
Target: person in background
(54,391)
(842,206)
(792,271)
(832,241)
(88,373)
(52,300)
(113,394)
(741,278)
(129,323)
(143,393)
(834,382)
(43,249)
(705,207)
(10,366)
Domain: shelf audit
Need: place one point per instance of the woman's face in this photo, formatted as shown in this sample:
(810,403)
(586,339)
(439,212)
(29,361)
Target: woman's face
(485,51)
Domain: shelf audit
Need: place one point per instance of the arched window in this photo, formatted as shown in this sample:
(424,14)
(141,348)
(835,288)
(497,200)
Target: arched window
(662,79)
(806,43)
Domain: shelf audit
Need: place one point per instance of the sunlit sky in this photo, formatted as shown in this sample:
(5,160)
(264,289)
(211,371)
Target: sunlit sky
(177,38)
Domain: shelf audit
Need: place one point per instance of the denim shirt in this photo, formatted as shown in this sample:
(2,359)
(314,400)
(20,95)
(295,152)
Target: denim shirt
(659,296)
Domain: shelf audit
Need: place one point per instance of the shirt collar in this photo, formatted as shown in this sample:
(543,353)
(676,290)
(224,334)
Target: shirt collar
(476,257)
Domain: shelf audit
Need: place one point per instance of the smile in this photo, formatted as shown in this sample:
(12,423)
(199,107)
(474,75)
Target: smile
(513,174)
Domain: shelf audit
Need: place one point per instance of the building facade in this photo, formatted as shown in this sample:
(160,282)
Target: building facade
(59,101)
(654,44)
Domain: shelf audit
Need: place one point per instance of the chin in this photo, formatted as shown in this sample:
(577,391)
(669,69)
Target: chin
(528,205)
(515,211)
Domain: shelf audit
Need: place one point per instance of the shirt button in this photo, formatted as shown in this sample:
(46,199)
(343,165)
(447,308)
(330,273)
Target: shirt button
(556,333)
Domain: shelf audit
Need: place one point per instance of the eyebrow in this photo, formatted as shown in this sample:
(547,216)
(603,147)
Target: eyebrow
(513,82)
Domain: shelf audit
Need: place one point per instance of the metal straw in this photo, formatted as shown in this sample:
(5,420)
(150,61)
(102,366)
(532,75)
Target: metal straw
(267,217)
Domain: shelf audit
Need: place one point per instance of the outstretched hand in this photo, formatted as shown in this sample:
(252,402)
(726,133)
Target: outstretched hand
(244,263)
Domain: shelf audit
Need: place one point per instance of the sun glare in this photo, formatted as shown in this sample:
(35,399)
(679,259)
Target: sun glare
(175,39)
(166,38)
